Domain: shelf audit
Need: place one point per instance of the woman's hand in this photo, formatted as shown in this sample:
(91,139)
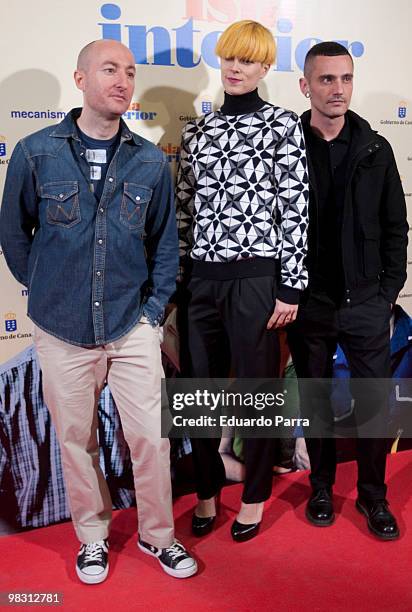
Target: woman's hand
(282,315)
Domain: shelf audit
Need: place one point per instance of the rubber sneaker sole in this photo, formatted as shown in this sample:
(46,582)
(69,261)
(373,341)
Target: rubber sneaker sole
(92,578)
(185,572)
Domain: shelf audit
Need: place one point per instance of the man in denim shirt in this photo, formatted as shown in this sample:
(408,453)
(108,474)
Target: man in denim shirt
(88,225)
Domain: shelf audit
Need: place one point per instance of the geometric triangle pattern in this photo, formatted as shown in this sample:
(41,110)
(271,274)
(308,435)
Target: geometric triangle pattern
(242,190)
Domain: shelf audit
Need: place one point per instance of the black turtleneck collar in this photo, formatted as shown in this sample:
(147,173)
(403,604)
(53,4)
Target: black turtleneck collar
(244,104)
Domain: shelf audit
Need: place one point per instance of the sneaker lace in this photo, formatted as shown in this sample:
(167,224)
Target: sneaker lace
(93,552)
(175,550)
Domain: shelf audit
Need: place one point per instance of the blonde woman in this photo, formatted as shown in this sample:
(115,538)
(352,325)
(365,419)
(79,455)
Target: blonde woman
(242,194)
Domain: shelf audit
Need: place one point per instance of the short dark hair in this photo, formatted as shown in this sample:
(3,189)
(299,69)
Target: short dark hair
(328,48)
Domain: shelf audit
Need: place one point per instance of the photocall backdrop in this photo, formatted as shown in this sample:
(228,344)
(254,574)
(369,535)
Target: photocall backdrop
(178,77)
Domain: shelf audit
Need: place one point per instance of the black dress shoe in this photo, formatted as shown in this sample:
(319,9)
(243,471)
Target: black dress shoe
(202,525)
(319,509)
(242,533)
(381,521)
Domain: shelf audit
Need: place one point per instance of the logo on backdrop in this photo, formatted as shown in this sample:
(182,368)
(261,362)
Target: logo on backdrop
(202,108)
(135,113)
(10,327)
(3,149)
(401,114)
(10,322)
(402,110)
(186,118)
(37,114)
(171,151)
(160,46)
(206,107)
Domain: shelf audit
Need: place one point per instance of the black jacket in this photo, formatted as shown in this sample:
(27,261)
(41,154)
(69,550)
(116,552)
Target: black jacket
(374,227)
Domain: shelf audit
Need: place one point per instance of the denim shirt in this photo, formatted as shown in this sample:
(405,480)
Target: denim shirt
(92,268)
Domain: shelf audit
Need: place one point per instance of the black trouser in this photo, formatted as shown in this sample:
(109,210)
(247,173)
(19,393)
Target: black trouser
(227,333)
(363,333)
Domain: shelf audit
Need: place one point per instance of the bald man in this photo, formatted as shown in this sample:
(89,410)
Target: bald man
(88,226)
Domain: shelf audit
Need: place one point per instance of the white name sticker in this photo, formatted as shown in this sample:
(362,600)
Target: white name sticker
(97,156)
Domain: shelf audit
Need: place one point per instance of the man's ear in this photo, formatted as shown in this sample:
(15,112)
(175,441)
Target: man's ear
(304,86)
(79,78)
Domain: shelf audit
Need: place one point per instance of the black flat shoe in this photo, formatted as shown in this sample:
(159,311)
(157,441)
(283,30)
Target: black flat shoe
(381,521)
(202,525)
(319,509)
(242,533)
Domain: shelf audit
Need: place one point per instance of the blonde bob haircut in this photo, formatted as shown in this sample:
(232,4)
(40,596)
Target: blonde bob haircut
(247,40)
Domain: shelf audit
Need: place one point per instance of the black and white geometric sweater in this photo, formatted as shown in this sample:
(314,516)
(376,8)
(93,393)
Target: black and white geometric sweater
(242,190)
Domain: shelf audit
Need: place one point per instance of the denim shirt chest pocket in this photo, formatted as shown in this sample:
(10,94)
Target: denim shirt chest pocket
(134,206)
(63,207)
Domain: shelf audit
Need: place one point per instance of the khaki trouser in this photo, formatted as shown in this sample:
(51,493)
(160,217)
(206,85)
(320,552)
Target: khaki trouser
(73,377)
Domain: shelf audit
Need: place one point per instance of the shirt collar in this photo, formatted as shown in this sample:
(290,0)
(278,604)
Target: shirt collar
(68,129)
(344,134)
(343,137)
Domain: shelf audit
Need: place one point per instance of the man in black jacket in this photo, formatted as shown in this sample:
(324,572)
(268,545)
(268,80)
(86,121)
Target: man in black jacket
(357,266)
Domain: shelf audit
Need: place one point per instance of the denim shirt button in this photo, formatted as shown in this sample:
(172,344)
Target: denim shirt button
(137,198)
(111,179)
(100,241)
(98,273)
(97,304)
(61,196)
(101,210)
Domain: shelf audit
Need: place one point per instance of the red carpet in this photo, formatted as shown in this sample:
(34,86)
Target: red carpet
(290,566)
